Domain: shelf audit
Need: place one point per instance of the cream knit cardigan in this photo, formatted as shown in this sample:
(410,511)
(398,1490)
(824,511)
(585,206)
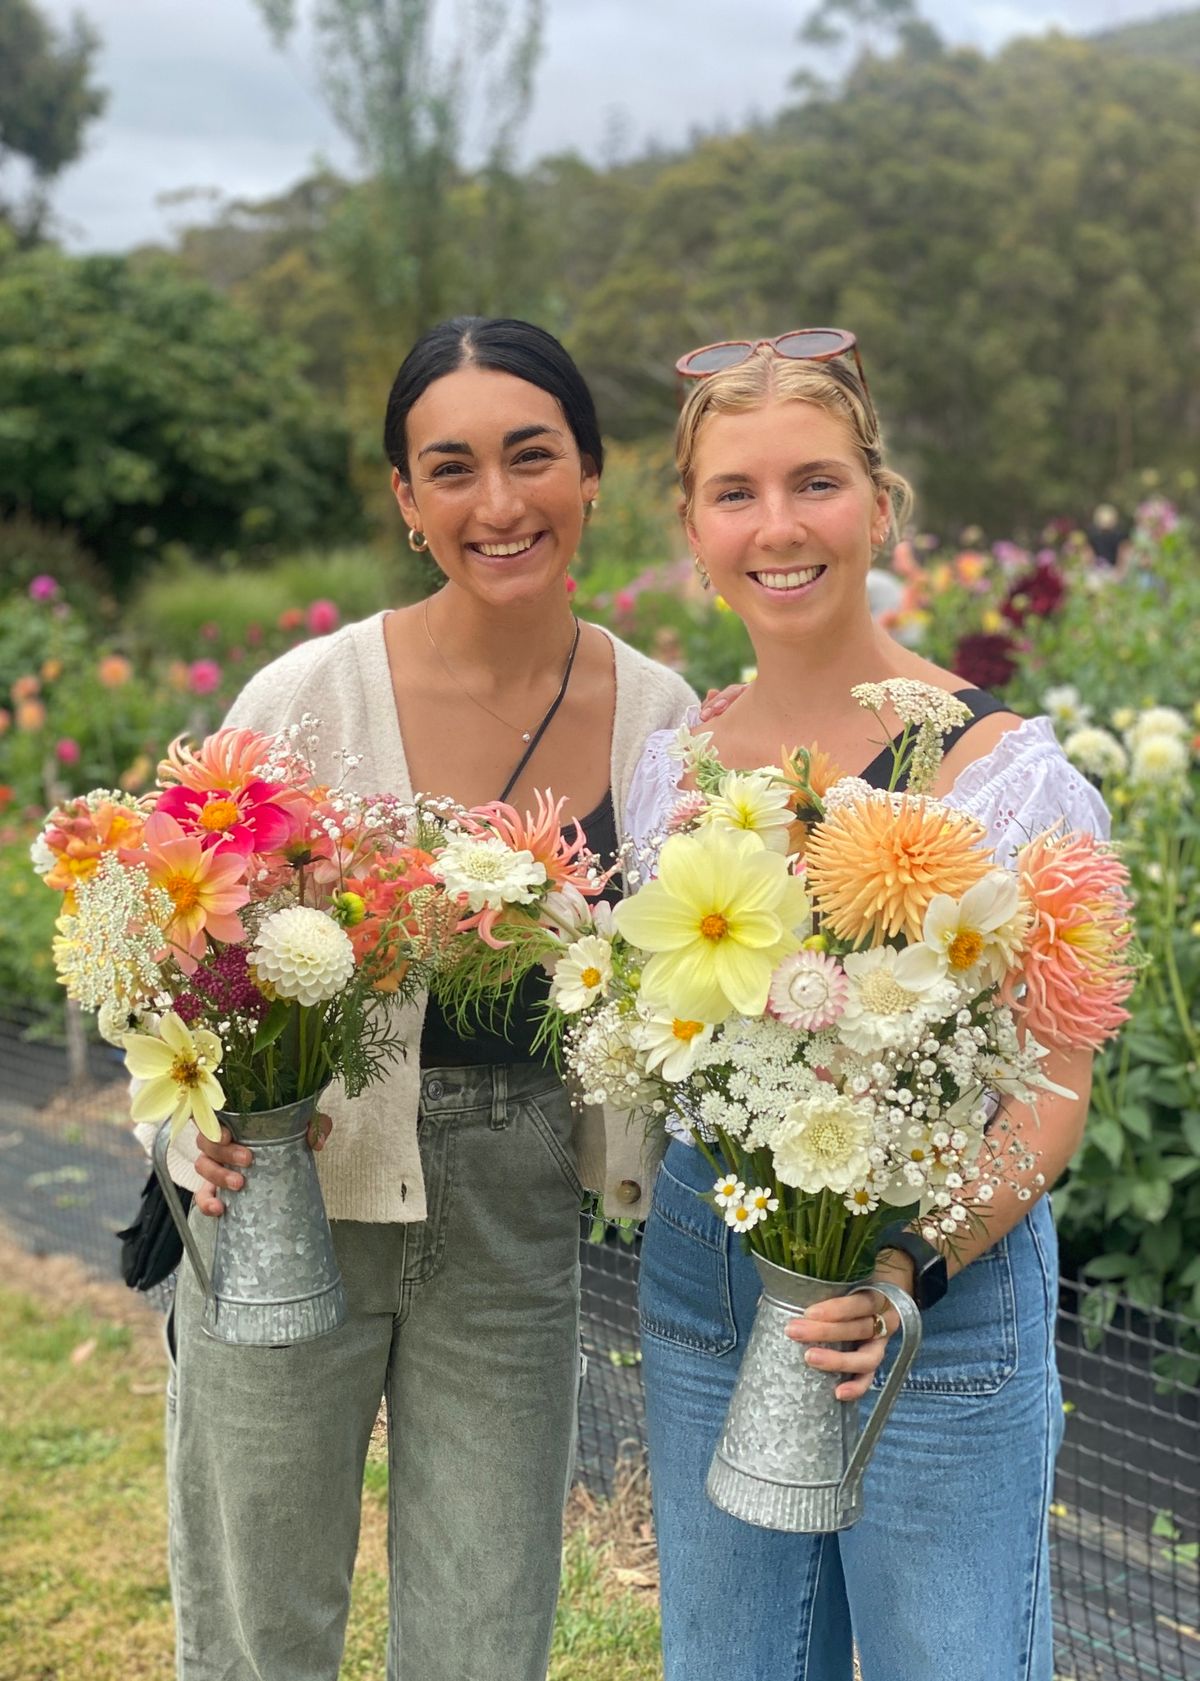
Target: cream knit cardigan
(371,1167)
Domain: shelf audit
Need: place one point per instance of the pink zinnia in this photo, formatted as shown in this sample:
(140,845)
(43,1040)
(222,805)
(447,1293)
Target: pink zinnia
(67,751)
(1076,965)
(203,676)
(808,991)
(322,617)
(247,820)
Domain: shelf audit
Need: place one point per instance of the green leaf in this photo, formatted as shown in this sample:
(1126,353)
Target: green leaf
(1109,1266)
(272,1024)
(1165,1527)
(1106,1135)
(1135,1118)
(1150,1198)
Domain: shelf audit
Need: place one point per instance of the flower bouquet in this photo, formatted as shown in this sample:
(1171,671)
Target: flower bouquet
(832,989)
(242,933)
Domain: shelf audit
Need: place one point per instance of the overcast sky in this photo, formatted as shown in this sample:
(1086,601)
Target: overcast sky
(200,98)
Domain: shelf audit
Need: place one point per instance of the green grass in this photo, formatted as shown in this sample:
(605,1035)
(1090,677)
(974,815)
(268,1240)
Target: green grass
(83,1577)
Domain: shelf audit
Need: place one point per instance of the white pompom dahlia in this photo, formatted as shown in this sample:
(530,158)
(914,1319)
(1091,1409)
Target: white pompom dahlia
(303,954)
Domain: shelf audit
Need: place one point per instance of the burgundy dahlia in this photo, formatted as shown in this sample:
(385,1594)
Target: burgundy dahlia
(987,659)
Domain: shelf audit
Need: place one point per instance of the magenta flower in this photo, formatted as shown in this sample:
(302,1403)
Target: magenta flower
(203,676)
(67,751)
(43,587)
(252,820)
(322,617)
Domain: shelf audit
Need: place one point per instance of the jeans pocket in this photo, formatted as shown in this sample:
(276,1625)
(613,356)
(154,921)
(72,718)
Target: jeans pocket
(553,1120)
(970,1341)
(683,1290)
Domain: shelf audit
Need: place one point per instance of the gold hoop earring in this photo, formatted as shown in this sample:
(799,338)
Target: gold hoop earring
(589,508)
(417,541)
(701,571)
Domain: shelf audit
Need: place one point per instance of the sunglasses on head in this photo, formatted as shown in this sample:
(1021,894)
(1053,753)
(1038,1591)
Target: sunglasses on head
(803,344)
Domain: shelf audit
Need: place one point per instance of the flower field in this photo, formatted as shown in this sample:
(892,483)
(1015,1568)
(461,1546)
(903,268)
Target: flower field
(87,699)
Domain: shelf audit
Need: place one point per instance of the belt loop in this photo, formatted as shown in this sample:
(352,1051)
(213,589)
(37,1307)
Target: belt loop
(499,1097)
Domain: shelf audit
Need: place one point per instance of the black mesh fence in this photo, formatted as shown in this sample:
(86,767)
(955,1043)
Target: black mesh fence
(1126,1576)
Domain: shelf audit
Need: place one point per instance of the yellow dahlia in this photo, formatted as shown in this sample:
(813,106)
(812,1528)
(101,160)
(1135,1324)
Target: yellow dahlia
(873,868)
(721,915)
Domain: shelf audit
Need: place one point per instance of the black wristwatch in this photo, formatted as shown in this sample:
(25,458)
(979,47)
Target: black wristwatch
(929,1264)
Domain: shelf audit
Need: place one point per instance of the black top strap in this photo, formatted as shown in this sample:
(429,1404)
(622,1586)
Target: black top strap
(981,705)
(546,721)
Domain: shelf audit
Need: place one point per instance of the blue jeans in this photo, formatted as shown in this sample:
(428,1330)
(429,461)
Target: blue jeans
(946,1577)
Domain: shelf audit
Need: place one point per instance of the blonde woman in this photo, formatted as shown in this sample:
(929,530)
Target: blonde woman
(945,1578)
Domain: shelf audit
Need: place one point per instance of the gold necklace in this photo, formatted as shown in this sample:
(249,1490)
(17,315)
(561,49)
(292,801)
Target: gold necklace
(525,735)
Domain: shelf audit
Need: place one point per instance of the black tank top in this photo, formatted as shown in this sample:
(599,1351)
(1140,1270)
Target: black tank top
(442,1046)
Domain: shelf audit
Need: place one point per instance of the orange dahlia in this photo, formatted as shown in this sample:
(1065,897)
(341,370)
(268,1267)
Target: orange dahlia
(872,868)
(1076,966)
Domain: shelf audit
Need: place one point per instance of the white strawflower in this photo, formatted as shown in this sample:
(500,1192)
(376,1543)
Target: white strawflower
(1065,708)
(823,1142)
(756,801)
(303,954)
(488,872)
(582,974)
(1159,759)
(40,855)
(1096,752)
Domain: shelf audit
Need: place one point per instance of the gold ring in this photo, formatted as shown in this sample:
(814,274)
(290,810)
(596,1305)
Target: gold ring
(880,1329)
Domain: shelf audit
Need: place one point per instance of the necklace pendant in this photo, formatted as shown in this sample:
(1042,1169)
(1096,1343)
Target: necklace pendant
(526,735)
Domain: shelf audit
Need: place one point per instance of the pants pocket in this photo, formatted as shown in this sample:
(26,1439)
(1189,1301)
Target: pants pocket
(970,1338)
(553,1120)
(683,1292)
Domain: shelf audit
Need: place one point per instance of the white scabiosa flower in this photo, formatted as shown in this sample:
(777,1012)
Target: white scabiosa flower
(582,974)
(892,996)
(823,1142)
(1158,760)
(671,1045)
(489,873)
(1096,752)
(756,801)
(303,954)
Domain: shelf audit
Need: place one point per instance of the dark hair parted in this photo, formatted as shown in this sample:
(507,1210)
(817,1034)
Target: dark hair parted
(507,346)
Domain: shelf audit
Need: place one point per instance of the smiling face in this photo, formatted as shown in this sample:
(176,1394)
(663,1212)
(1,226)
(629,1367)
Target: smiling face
(784,515)
(495,482)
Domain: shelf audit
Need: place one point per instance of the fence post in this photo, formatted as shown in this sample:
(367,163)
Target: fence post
(76,1044)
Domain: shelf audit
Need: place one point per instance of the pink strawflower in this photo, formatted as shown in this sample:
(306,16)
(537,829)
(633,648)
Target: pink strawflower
(203,676)
(43,587)
(322,617)
(808,991)
(250,820)
(1076,966)
(67,751)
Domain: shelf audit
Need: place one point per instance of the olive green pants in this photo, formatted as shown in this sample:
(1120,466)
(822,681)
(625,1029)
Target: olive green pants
(467,1324)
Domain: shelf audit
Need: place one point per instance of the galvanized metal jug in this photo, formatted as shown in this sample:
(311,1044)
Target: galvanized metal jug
(275,1278)
(791,1456)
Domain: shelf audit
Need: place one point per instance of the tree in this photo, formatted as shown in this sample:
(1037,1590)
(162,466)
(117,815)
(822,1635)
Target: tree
(47,99)
(140,408)
(417,113)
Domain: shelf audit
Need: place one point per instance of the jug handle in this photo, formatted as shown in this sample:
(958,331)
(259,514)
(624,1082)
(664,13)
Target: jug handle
(162,1140)
(910,1342)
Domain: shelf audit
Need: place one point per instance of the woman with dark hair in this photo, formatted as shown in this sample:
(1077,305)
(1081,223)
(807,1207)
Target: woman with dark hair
(453,1185)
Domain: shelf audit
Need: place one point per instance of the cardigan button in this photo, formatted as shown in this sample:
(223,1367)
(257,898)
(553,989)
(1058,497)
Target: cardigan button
(628,1191)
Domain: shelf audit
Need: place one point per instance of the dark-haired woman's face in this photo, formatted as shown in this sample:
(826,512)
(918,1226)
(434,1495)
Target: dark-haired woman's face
(496,483)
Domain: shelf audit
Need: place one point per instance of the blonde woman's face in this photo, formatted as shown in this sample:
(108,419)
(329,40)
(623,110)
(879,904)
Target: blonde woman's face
(784,515)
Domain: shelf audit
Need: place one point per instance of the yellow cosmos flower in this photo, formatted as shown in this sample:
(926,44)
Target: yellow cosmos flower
(722,913)
(177,1065)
